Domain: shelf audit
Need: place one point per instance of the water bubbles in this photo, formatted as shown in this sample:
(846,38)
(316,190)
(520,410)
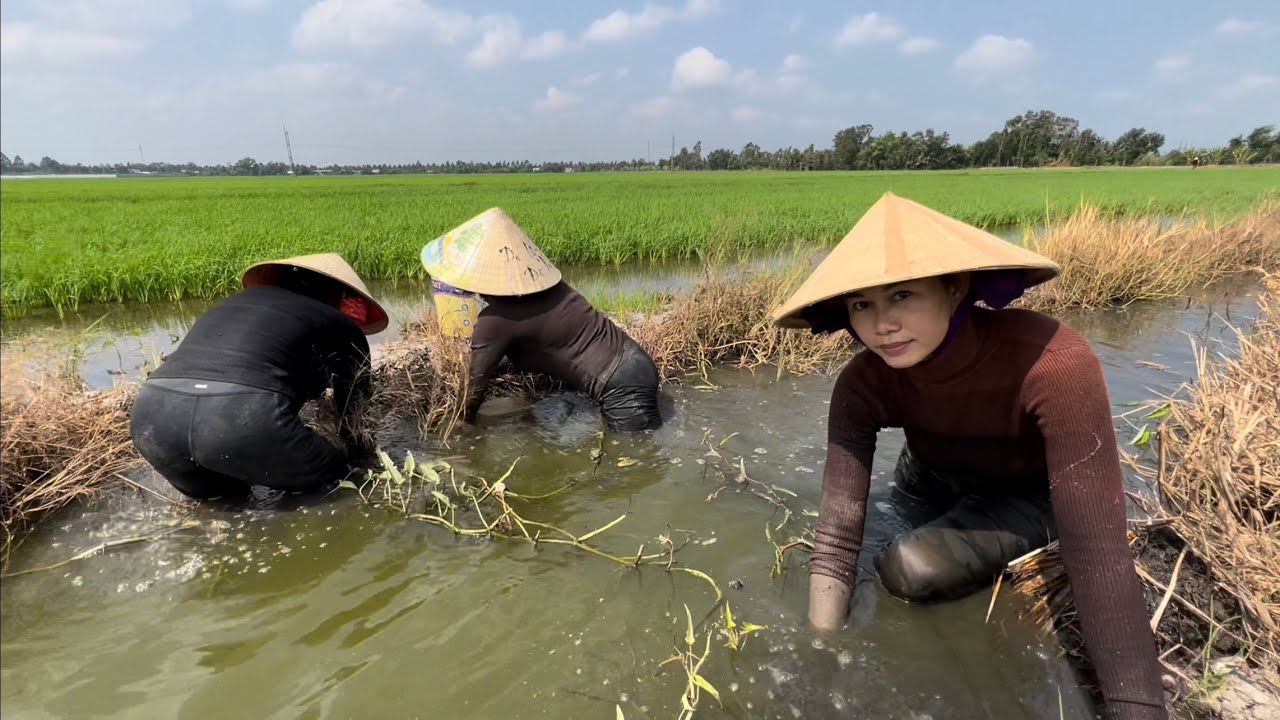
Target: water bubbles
(760,451)
(733,687)
(77,581)
(803,469)
(838,702)
(142,586)
(844,658)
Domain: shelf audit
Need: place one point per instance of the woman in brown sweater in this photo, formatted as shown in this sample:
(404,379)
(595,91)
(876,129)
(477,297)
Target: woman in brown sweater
(1009,441)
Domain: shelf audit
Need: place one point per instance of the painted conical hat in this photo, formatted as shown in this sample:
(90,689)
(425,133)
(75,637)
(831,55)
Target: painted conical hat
(489,254)
(331,265)
(898,239)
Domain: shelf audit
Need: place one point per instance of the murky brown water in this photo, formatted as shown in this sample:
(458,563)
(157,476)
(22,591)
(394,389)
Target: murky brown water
(327,608)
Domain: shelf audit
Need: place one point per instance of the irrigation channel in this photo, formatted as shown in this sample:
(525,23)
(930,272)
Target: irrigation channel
(328,607)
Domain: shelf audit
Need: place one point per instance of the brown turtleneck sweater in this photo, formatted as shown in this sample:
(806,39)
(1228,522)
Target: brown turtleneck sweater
(1018,397)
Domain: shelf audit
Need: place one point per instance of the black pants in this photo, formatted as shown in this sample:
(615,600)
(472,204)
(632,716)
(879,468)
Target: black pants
(216,439)
(962,541)
(630,399)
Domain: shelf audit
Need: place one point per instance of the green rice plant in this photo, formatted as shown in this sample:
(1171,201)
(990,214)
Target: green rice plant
(72,242)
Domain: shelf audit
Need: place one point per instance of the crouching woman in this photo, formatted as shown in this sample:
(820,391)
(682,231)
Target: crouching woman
(221,413)
(1007,422)
(533,318)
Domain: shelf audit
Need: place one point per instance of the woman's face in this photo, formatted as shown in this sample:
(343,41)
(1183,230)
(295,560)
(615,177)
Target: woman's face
(904,322)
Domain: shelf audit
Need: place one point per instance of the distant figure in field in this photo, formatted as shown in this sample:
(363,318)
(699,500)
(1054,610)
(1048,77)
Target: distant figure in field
(1195,162)
(221,413)
(534,318)
(1009,438)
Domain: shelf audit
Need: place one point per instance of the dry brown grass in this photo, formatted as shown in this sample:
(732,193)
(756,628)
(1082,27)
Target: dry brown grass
(725,320)
(58,443)
(719,321)
(1210,559)
(1109,262)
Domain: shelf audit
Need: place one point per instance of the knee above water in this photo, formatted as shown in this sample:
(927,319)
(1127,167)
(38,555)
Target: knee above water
(910,568)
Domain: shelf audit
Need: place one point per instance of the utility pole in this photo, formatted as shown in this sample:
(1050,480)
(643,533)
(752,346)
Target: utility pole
(141,158)
(289,149)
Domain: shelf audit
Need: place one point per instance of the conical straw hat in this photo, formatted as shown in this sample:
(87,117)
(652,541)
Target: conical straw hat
(328,264)
(489,254)
(898,239)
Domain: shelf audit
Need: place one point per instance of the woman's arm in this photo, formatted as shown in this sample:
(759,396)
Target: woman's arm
(853,421)
(1067,394)
(488,346)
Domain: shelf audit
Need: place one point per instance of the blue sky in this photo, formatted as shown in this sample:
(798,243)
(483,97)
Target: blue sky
(406,80)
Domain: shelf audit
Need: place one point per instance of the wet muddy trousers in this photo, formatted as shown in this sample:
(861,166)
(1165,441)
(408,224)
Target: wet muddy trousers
(630,399)
(216,439)
(960,542)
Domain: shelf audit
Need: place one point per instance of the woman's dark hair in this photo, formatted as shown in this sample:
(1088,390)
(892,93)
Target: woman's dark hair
(312,284)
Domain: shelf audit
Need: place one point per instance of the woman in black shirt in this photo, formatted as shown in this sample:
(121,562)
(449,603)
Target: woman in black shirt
(221,413)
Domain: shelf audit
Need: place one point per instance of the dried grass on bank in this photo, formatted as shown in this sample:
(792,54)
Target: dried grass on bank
(1215,538)
(58,444)
(1110,262)
(719,321)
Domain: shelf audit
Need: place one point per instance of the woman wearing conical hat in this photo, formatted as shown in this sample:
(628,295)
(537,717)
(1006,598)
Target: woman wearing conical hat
(1009,438)
(221,413)
(534,318)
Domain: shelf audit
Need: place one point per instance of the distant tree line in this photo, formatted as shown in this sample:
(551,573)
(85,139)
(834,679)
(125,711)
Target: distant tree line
(1034,139)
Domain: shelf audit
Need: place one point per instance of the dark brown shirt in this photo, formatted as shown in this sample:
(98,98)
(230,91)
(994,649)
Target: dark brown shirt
(555,332)
(1018,398)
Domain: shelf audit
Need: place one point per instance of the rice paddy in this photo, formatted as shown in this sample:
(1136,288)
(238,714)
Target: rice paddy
(69,242)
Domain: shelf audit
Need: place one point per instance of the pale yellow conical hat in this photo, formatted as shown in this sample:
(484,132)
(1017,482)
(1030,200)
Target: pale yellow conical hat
(898,239)
(489,254)
(331,265)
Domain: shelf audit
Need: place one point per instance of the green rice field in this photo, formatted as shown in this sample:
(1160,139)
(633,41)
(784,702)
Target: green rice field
(67,242)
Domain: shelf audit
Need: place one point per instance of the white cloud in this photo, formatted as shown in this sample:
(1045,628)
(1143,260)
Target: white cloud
(247,6)
(621,73)
(869,29)
(796,24)
(302,77)
(127,16)
(993,56)
(1172,64)
(585,80)
(503,41)
(375,24)
(621,25)
(655,108)
(547,45)
(31,42)
(556,99)
(1114,95)
(1247,86)
(70,32)
(700,68)
(1235,26)
(794,63)
(918,45)
(745,115)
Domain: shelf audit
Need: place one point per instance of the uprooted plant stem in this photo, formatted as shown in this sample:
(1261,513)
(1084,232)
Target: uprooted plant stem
(1210,558)
(432,492)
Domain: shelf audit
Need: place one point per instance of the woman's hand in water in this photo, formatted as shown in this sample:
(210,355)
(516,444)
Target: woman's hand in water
(828,602)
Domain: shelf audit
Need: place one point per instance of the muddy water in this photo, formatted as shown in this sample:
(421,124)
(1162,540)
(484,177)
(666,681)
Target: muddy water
(329,608)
